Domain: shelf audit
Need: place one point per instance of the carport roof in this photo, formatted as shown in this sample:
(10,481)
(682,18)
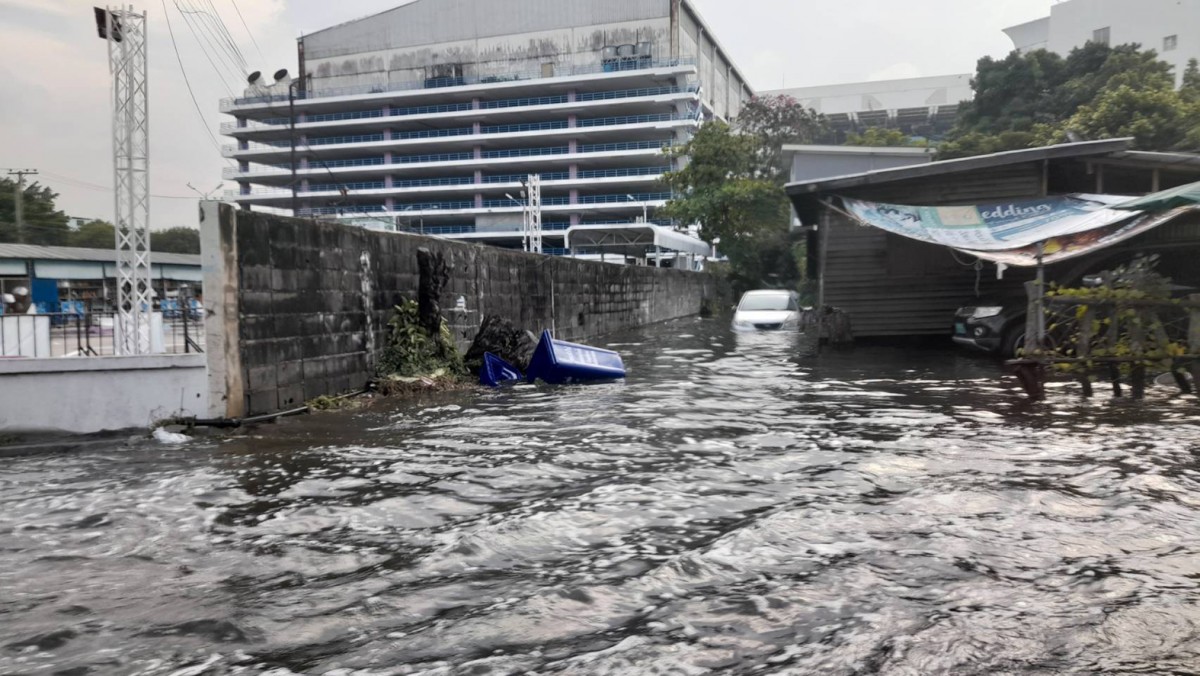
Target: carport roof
(1114,148)
(64,253)
(633,239)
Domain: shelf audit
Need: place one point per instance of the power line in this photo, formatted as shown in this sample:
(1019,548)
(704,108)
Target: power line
(216,16)
(231,54)
(202,38)
(212,137)
(247,27)
(76,183)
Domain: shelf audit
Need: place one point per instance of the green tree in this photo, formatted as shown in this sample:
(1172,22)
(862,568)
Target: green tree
(94,235)
(180,240)
(730,188)
(878,137)
(1190,90)
(44,223)
(776,121)
(1097,91)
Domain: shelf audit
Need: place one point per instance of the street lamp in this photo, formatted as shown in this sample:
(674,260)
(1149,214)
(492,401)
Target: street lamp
(645,211)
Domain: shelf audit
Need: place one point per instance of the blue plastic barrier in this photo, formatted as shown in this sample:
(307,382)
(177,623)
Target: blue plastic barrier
(496,371)
(558,362)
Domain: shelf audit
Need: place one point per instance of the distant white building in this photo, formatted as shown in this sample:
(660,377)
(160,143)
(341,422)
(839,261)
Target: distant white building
(925,106)
(1170,27)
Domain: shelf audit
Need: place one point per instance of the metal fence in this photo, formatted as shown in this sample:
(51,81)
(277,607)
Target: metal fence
(91,334)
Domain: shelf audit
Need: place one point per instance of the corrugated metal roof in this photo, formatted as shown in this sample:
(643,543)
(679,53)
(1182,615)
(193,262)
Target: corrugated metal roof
(883,176)
(64,253)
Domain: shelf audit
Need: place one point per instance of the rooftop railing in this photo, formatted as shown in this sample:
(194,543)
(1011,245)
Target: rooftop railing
(614,199)
(594,69)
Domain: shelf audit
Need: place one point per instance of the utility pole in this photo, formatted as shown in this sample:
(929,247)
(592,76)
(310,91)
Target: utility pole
(124,30)
(19,199)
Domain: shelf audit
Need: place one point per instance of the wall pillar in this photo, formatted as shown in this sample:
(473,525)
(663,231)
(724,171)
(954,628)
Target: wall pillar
(220,261)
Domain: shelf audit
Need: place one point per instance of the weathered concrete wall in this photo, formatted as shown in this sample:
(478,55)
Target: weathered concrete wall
(94,394)
(312,301)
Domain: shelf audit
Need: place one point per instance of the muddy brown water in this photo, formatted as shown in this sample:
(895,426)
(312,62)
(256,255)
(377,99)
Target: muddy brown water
(734,507)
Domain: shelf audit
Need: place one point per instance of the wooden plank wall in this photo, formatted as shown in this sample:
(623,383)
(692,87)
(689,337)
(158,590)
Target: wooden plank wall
(894,286)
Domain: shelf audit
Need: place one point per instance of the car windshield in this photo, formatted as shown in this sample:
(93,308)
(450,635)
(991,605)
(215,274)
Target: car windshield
(768,302)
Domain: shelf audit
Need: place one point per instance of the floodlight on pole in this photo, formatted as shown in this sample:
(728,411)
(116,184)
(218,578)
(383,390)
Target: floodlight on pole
(125,32)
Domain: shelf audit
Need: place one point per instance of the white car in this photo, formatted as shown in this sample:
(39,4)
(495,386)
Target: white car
(768,311)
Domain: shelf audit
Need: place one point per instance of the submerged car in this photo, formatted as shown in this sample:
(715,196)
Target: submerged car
(994,325)
(768,311)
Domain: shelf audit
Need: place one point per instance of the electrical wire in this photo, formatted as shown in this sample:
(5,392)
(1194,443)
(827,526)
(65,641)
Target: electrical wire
(212,137)
(247,27)
(202,38)
(223,30)
(215,28)
(76,183)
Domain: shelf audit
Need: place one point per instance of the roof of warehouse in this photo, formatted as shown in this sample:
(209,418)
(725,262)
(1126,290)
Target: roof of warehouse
(66,253)
(1113,147)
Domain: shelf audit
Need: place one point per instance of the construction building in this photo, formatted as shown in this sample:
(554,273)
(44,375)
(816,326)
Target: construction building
(430,117)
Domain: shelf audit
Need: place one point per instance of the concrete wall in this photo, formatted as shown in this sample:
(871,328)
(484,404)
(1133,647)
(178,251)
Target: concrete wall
(94,394)
(305,305)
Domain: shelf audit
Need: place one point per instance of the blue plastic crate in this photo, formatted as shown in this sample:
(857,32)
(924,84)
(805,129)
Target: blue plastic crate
(558,362)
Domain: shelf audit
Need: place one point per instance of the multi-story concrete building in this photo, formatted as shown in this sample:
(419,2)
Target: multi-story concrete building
(1170,27)
(921,106)
(429,116)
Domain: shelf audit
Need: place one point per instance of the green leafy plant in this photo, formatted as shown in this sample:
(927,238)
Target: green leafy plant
(412,352)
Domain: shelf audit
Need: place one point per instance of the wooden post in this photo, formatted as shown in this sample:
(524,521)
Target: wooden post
(1162,341)
(1112,338)
(1137,347)
(1033,317)
(1194,339)
(1086,331)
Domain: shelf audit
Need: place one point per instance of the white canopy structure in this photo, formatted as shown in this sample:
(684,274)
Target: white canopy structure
(636,240)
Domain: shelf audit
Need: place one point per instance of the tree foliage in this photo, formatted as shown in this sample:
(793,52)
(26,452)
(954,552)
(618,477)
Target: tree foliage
(179,240)
(44,223)
(94,235)
(732,184)
(876,137)
(1096,92)
(773,122)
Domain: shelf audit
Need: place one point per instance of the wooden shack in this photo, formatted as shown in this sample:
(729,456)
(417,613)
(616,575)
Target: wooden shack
(895,286)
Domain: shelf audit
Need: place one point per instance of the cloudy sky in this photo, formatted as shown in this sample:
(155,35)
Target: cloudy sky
(54,111)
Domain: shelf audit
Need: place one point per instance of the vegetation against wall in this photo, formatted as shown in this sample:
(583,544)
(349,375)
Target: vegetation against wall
(1096,92)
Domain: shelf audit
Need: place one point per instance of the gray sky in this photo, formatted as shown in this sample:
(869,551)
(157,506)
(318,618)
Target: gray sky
(54,113)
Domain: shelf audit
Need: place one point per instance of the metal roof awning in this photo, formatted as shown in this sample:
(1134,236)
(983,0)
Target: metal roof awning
(634,240)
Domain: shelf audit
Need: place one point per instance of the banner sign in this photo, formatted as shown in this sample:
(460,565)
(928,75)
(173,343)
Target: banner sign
(1065,247)
(994,227)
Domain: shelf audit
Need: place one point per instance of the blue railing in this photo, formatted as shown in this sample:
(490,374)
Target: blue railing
(442,82)
(629,145)
(443,229)
(360,162)
(556,226)
(433,133)
(626,119)
(334,117)
(505,178)
(442,157)
(428,182)
(503,203)
(336,140)
(612,199)
(554,251)
(531,126)
(618,173)
(555,201)
(630,93)
(427,110)
(344,211)
(527,152)
(515,103)
(338,187)
(433,206)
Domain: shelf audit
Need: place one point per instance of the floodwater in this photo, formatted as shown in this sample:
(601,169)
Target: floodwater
(734,507)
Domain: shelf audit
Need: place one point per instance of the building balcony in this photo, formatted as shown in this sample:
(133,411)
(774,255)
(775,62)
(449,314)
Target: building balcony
(409,94)
(459,209)
(628,179)
(611,103)
(588,131)
(526,160)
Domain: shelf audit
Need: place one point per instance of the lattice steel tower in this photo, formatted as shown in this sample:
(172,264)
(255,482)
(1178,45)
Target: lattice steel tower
(533,214)
(125,31)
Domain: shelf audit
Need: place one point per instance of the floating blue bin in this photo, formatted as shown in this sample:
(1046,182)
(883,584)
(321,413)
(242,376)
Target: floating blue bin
(558,362)
(496,371)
